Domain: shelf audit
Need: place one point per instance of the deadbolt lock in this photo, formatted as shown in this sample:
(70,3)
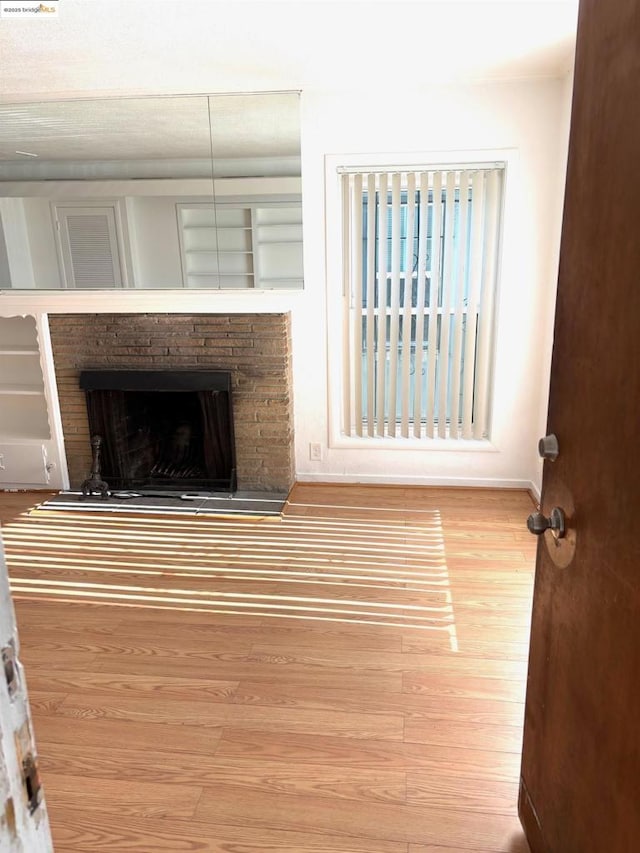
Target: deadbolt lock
(548,447)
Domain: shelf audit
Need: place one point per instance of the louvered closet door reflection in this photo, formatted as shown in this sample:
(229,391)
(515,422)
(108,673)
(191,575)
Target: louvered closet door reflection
(88,245)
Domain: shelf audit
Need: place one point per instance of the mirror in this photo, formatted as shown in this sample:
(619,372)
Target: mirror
(151,193)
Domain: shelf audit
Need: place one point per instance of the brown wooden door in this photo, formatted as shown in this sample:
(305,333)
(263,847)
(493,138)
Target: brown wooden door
(580,780)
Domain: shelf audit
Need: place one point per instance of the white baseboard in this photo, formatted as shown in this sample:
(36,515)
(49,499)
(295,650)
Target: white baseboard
(381,479)
(535,492)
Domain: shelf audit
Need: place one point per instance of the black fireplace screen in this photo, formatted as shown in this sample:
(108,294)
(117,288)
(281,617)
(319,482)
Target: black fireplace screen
(163,430)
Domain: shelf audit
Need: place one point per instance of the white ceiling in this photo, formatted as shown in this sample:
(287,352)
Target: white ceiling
(151,128)
(189,46)
(110,48)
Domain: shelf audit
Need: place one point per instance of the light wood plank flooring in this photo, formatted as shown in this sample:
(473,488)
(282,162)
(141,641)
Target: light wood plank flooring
(347,678)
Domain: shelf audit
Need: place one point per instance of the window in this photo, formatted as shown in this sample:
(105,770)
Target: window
(420,263)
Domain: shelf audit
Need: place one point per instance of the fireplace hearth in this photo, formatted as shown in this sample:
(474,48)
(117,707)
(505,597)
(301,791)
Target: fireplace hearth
(163,431)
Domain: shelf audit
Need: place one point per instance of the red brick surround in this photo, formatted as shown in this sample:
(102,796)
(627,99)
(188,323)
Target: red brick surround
(255,348)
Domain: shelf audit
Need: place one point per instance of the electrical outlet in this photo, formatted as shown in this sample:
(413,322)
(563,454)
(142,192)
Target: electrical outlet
(315,451)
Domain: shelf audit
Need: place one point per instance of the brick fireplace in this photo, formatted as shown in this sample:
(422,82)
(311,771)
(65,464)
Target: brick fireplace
(255,348)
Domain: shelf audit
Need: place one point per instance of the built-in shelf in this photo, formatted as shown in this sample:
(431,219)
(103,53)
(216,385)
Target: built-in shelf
(31,445)
(209,275)
(215,228)
(241,245)
(23,403)
(16,350)
(282,284)
(29,391)
(8,438)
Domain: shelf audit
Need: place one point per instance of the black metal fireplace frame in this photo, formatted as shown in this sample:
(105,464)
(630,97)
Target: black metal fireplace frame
(155,380)
(167,380)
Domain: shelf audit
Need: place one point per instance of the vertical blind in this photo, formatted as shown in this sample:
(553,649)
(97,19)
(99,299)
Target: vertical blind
(420,264)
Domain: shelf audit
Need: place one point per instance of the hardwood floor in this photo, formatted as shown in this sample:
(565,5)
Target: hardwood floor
(347,678)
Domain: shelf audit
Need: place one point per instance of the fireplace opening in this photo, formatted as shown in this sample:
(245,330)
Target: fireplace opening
(162,431)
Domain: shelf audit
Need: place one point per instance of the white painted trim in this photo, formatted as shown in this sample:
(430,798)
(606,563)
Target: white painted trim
(419,160)
(60,475)
(186,301)
(428,445)
(173,168)
(227,188)
(391,480)
(535,492)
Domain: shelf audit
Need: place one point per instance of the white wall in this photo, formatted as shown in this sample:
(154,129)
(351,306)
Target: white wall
(524,120)
(547,309)
(155,242)
(42,244)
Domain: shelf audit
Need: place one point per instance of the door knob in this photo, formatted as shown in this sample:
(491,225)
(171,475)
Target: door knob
(548,447)
(556,523)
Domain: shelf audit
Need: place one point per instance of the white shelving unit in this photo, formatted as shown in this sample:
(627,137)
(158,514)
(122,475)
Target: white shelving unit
(239,246)
(216,246)
(29,453)
(278,246)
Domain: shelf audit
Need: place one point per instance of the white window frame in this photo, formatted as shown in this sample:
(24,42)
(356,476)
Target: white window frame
(337,317)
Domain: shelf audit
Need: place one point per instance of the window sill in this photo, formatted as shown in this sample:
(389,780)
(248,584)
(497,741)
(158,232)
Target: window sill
(429,445)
